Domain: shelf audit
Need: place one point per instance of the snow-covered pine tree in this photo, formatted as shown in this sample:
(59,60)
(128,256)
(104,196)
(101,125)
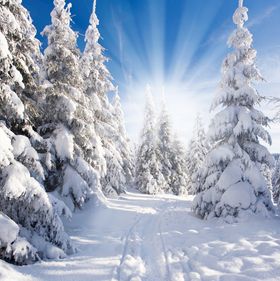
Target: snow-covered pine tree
(148,177)
(232,183)
(122,141)
(179,175)
(24,200)
(196,153)
(22,197)
(16,25)
(97,86)
(11,106)
(90,75)
(165,143)
(24,48)
(67,113)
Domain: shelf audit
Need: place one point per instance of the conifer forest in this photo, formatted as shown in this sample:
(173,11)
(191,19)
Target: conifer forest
(111,170)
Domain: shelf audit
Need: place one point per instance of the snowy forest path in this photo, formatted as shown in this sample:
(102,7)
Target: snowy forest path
(144,254)
(118,242)
(145,238)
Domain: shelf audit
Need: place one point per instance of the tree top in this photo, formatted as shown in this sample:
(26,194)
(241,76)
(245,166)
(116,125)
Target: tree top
(241,3)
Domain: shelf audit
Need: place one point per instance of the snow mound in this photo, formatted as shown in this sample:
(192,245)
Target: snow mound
(8,273)
(53,252)
(132,269)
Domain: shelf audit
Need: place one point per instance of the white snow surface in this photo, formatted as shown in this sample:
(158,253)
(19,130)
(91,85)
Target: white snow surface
(4,47)
(239,195)
(8,230)
(64,143)
(9,273)
(144,238)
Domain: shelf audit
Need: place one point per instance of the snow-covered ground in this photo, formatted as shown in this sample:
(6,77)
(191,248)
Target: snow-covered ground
(140,237)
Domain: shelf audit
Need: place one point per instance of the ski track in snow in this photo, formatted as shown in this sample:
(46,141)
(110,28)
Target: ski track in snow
(146,238)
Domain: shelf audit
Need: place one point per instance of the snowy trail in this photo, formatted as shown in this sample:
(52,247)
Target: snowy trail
(145,238)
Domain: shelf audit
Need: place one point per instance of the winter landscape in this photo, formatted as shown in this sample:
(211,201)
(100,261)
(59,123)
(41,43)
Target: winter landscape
(152,155)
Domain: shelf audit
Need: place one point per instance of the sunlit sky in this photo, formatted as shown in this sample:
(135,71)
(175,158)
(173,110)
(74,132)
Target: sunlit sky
(178,45)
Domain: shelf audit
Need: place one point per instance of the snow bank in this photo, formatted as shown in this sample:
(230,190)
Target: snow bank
(9,273)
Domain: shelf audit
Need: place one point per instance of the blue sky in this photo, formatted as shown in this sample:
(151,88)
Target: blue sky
(177,45)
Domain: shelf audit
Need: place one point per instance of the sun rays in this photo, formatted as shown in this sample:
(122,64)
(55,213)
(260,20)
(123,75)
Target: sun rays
(164,53)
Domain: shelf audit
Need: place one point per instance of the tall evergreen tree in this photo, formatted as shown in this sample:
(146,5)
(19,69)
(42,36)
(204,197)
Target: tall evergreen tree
(12,108)
(97,85)
(165,143)
(179,176)
(17,27)
(148,176)
(232,182)
(122,141)
(196,154)
(91,85)
(67,115)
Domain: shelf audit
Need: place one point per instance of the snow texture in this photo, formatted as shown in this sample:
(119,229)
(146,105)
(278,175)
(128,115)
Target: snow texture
(159,239)
(8,230)
(24,200)
(4,48)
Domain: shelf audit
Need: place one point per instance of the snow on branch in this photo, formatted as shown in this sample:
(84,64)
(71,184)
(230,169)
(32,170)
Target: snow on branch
(94,6)
(241,15)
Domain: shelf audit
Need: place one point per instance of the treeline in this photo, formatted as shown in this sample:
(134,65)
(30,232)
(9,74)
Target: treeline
(162,163)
